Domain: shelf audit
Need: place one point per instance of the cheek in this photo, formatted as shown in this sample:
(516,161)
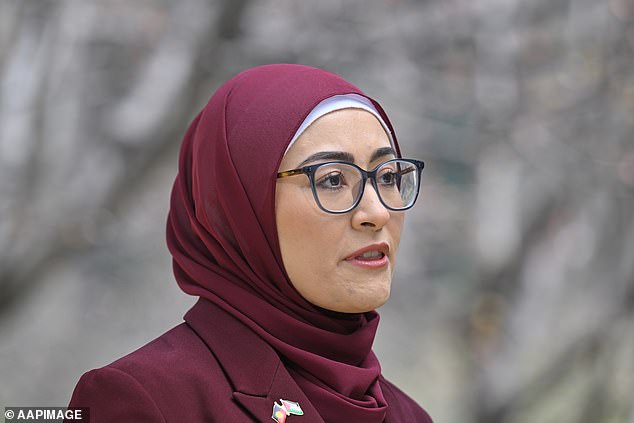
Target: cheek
(293,216)
(307,237)
(395,228)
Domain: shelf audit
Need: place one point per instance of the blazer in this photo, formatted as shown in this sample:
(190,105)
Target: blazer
(210,368)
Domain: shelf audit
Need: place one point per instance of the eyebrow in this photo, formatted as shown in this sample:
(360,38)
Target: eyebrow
(380,152)
(345,156)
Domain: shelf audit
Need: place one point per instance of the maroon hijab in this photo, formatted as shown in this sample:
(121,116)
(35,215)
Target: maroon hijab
(222,234)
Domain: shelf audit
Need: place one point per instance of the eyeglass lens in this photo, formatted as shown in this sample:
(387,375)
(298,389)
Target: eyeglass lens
(338,185)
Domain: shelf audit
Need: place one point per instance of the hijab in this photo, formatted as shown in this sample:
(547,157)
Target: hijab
(338,102)
(221,232)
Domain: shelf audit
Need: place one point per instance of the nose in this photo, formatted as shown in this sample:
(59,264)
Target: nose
(370,212)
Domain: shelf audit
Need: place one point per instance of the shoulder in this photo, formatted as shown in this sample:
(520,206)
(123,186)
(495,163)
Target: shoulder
(177,350)
(176,356)
(172,372)
(401,406)
(109,392)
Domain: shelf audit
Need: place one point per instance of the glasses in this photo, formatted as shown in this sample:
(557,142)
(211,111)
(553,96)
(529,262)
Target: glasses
(338,186)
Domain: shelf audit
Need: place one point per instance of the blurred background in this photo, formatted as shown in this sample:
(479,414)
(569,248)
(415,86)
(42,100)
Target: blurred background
(513,299)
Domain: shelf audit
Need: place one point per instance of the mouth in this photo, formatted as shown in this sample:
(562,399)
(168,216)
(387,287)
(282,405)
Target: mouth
(373,256)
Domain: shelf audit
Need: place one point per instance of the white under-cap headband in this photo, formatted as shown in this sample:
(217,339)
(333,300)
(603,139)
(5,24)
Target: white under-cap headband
(337,102)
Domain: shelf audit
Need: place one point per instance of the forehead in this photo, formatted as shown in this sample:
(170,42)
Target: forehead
(355,131)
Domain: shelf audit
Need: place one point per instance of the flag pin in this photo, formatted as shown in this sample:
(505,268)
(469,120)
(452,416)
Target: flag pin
(280,412)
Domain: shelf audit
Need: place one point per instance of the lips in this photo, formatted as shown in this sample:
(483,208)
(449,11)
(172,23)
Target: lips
(372,256)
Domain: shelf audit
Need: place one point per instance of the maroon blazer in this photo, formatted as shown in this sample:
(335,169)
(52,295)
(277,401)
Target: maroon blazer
(211,368)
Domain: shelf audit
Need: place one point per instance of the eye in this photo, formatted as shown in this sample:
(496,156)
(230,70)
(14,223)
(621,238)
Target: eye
(388,177)
(331,181)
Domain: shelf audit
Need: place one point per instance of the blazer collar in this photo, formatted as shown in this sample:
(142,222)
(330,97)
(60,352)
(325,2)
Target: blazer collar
(254,369)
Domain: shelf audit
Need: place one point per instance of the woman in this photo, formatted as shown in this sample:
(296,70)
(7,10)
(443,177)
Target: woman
(275,227)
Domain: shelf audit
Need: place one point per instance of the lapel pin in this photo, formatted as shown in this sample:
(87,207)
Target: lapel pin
(280,412)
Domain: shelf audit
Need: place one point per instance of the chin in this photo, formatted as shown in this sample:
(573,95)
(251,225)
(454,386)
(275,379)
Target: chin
(354,294)
(378,298)
(382,301)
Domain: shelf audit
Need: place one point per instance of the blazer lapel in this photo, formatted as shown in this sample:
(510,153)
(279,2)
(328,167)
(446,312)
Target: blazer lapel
(254,369)
(283,387)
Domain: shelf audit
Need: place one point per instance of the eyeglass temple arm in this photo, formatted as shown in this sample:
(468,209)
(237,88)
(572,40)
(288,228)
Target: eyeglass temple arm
(290,173)
(408,170)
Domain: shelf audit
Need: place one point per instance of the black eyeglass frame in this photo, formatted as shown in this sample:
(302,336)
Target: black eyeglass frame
(310,171)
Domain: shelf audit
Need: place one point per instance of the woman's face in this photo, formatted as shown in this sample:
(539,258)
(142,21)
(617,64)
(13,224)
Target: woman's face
(316,246)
